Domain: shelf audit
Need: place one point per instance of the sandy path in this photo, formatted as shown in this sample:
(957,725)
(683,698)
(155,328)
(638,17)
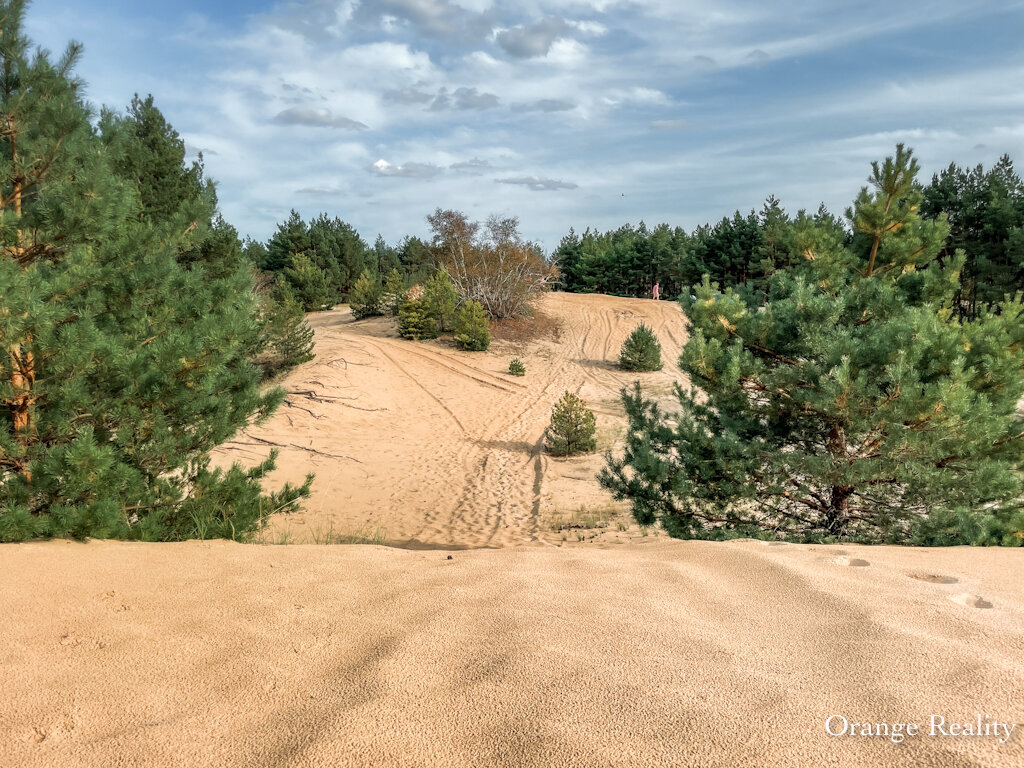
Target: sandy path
(664,654)
(420,444)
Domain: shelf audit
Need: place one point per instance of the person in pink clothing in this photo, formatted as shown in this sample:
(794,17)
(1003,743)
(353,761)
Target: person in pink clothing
(655,292)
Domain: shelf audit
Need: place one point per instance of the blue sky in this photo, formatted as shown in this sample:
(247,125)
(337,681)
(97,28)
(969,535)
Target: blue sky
(564,113)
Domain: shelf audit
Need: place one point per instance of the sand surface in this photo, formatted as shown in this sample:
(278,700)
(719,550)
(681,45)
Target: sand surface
(421,444)
(658,654)
(526,622)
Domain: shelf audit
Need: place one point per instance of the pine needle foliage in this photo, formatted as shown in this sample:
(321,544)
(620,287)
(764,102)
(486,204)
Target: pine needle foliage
(440,300)
(472,329)
(572,429)
(516,367)
(367,298)
(123,364)
(641,351)
(416,322)
(854,403)
(394,292)
(288,338)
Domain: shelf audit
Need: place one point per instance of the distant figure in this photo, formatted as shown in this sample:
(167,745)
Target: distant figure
(656,291)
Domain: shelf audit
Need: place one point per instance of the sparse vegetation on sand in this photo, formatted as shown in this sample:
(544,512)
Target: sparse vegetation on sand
(516,367)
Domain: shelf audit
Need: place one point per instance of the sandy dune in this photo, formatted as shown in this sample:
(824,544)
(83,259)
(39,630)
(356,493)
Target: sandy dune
(420,444)
(592,644)
(664,654)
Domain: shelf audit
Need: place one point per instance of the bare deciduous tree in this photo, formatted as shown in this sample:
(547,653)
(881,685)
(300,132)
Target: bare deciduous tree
(491,264)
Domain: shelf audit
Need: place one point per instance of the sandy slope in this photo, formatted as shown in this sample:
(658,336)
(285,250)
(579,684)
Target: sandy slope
(593,645)
(421,444)
(664,654)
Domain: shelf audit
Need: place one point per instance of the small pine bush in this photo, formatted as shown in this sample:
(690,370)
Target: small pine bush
(472,331)
(286,334)
(310,284)
(394,291)
(416,322)
(439,298)
(516,367)
(366,299)
(572,427)
(641,351)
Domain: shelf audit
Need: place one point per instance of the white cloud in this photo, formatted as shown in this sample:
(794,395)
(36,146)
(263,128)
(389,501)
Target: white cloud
(318,118)
(410,170)
(538,183)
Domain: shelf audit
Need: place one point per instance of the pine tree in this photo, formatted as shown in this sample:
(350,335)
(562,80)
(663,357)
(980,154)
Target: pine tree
(852,404)
(416,321)
(123,367)
(472,331)
(394,292)
(641,351)
(287,337)
(440,299)
(572,427)
(310,283)
(367,299)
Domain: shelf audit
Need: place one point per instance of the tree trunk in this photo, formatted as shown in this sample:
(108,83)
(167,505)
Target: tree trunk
(23,377)
(837,515)
(23,367)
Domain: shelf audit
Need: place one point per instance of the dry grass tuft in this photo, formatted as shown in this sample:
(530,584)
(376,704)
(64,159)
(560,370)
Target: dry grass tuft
(522,329)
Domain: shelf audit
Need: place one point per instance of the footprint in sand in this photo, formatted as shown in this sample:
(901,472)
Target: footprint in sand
(853,562)
(970,601)
(933,578)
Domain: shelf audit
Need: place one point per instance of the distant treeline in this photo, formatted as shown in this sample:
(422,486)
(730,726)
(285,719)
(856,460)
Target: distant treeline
(319,262)
(986,218)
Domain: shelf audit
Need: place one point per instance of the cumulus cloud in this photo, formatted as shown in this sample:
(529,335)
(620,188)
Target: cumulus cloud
(410,170)
(438,19)
(526,42)
(476,166)
(318,118)
(408,96)
(318,191)
(538,183)
(463,98)
(546,105)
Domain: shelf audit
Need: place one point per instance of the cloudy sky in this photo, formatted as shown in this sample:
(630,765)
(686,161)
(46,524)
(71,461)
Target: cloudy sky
(563,113)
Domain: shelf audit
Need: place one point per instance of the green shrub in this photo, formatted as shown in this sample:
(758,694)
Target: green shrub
(516,367)
(286,336)
(415,321)
(366,299)
(641,351)
(439,298)
(472,331)
(394,292)
(572,427)
(310,284)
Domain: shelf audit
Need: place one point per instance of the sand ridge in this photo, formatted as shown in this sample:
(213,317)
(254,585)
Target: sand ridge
(658,654)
